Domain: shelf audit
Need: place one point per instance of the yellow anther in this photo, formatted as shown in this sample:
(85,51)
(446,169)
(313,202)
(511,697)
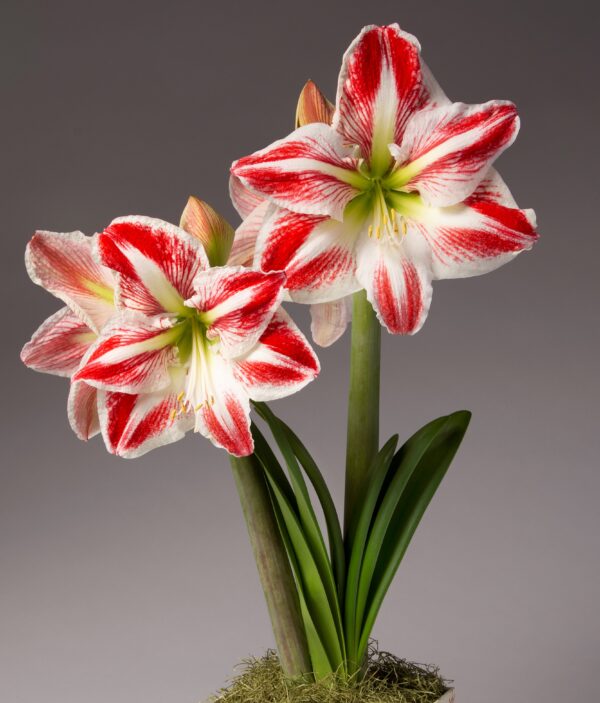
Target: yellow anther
(370,230)
(378,232)
(198,407)
(404,227)
(172,414)
(180,396)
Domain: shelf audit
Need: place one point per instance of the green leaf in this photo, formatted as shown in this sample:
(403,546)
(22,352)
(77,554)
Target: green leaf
(267,456)
(307,518)
(313,588)
(321,667)
(421,464)
(357,539)
(334,530)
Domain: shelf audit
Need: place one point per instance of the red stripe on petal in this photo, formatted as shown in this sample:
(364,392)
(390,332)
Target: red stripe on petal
(310,171)
(118,407)
(134,424)
(287,235)
(321,271)
(227,425)
(364,97)
(63,264)
(157,263)
(448,150)
(397,285)
(130,356)
(401,314)
(152,423)
(236,304)
(478,236)
(59,344)
(316,253)
(285,339)
(280,364)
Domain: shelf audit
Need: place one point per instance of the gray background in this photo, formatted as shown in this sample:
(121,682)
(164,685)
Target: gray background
(133,581)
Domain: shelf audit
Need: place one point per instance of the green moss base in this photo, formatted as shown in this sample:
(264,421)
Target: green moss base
(388,680)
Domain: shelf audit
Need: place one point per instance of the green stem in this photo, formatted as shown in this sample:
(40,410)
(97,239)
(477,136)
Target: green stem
(274,569)
(363,404)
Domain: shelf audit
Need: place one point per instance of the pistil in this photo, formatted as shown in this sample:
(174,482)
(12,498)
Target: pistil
(199,388)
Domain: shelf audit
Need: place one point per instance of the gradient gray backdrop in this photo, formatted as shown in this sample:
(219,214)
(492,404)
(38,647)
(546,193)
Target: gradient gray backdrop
(133,581)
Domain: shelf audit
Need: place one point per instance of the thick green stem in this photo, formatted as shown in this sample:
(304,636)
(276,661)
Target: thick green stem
(274,569)
(363,403)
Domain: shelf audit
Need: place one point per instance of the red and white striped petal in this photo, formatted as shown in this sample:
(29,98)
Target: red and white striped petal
(236,304)
(477,236)
(447,150)
(329,320)
(310,171)
(316,253)
(82,409)
(156,263)
(280,364)
(59,344)
(244,200)
(223,413)
(397,283)
(135,424)
(132,355)
(244,242)
(63,264)
(379,88)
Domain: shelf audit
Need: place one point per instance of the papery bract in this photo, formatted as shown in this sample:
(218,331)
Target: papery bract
(398,191)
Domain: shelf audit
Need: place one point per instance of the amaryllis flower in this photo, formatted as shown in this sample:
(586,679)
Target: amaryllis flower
(396,192)
(191,344)
(64,265)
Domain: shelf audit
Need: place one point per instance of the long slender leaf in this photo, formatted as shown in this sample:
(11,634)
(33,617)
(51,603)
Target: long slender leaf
(313,587)
(321,666)
(358,538)
(411,453)
(334,529)
(307,518)
(423,462)
(263,449)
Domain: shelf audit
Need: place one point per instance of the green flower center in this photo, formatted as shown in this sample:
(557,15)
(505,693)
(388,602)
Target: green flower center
(382,206)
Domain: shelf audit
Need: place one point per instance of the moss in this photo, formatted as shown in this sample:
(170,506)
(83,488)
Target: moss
(387,680)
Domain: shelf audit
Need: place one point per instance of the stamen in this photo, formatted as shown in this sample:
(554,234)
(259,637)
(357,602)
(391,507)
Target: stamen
(386,221)
(404,227)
